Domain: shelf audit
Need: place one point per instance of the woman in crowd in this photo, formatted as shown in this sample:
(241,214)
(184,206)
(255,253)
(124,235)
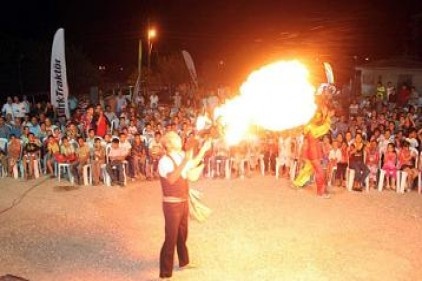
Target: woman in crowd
(31,154)
(357,162)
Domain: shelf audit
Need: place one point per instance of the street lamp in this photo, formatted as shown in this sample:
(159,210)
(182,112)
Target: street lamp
(152,33)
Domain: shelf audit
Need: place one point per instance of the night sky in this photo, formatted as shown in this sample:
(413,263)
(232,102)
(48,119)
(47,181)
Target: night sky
(243,34)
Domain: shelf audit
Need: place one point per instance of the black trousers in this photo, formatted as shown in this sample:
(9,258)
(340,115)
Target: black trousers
(176,233)
(341,171)
(115,171)
(361,171)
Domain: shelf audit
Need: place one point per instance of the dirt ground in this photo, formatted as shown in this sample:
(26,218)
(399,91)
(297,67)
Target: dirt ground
(260,229)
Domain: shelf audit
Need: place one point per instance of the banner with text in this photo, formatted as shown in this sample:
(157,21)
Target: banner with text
(58,82)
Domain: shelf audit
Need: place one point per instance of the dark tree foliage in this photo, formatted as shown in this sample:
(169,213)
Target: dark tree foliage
(25,68)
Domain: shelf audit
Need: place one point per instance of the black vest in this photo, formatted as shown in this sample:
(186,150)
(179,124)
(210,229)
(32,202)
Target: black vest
(179,189)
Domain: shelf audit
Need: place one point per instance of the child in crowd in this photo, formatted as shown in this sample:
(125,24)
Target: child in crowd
(334,157)
(372,161)
(342,164)
(389,167)
(406,163)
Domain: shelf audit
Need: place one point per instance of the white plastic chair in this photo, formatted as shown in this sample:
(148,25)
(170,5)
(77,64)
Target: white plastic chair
(87,174)
(279,162)
(332,176)
(20,164)
(420,174)
(114,125)
(402,175)
(106,176)
(242,163)
(218,163)
(3,146)
(350,179)
(66,168)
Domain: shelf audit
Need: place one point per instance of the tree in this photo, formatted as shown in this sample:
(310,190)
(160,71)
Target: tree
(81,73)
(25,67)
(170,70)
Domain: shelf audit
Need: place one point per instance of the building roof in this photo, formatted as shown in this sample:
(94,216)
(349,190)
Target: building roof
(400,62)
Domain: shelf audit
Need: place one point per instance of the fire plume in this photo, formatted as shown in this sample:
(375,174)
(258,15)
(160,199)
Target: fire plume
(276,97)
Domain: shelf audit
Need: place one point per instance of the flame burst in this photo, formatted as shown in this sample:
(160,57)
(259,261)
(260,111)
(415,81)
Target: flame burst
(276,97)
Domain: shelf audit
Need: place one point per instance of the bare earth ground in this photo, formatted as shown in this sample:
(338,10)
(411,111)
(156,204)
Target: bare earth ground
(260,229)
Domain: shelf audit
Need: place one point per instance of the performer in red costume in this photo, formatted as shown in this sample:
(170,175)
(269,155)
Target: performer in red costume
(311,154)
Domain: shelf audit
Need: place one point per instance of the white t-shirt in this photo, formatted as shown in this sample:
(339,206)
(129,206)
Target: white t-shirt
(19,110)
(121,103)
(153,101)
(7,109)
(125,146)
(335,154)
(155,147)
(166,165)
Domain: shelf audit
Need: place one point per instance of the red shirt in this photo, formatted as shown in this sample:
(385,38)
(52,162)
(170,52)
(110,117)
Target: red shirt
(101,126)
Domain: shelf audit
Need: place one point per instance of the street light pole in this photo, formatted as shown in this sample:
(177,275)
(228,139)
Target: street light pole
(151,35)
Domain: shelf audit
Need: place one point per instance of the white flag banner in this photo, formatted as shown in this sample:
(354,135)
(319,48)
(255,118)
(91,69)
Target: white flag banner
(137,89)
(329,72)
(58,83)
(191,66)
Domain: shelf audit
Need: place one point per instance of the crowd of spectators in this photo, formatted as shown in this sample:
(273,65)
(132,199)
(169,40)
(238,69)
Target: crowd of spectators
(119,139)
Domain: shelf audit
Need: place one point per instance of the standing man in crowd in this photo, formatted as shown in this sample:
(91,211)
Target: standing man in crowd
(121,103)
(175,169)
(4,129)
(7,107)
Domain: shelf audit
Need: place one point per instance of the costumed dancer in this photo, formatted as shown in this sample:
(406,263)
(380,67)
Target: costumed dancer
(311,154)
(176,168)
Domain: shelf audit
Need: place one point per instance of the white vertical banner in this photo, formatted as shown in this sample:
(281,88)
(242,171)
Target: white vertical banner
(191,67)
(58,83)
(137,88)
(329,73)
